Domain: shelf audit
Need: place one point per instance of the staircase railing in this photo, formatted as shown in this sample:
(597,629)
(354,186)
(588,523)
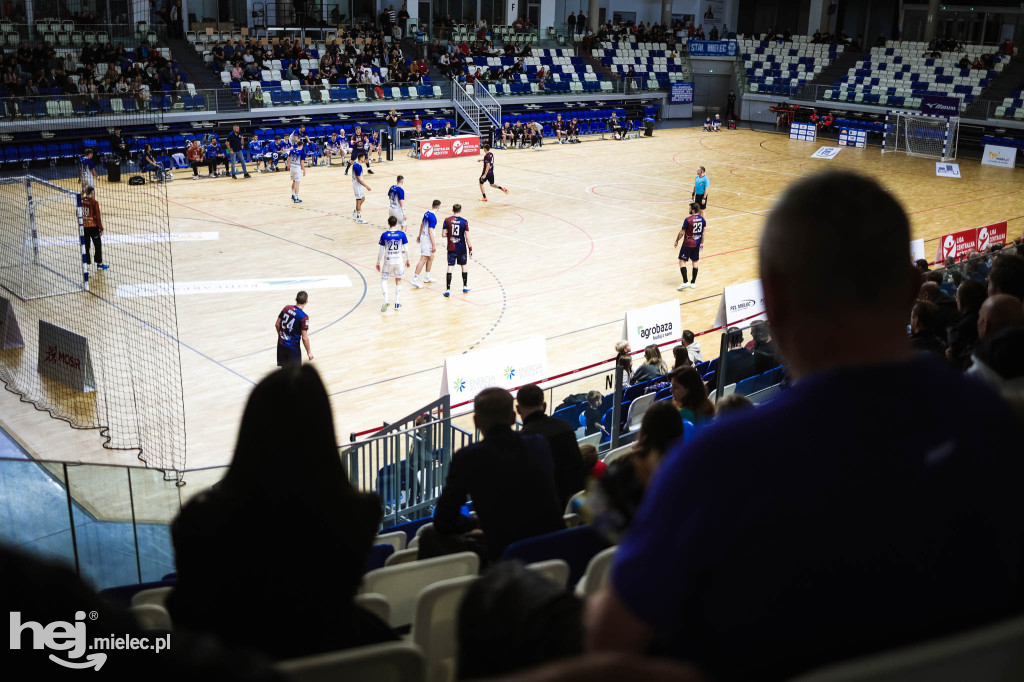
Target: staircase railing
(466,105)
(488,104)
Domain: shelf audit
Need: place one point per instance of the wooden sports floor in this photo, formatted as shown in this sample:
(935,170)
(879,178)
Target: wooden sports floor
(586,233)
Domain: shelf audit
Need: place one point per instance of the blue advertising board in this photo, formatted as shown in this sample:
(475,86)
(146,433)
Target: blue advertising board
(711,48)
(681,93)
(937,105)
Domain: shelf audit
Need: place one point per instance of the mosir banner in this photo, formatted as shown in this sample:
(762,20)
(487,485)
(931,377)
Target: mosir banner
(450,147)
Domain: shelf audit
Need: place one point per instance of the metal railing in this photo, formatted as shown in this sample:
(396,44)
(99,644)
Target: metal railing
(488,104)
(466,105)
(306,95)
(11,35)
(94,107)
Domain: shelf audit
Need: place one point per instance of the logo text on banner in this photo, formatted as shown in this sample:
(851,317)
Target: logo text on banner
(507,366)
(450,147)
(711,48)
(807,132)
(681,93)
(1003,157)
(739,302)
(654,324)
(826,153)
(959,243)
(64,357)
(947,170)
(937,105)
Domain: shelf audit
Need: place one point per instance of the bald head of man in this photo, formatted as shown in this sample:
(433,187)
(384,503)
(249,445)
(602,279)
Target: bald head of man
(821,309)
(997,313)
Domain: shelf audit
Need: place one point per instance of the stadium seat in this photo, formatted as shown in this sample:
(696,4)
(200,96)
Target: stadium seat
(396,539)
(402,584)
(434,629)
(390,662)
(151,616)
(376,604)
(404,556)
(155,595)
(596,575)
(555,570)
(576,546)
(746,386)
(379,554)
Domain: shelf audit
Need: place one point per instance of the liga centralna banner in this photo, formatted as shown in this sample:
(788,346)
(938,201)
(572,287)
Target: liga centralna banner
(507,366)
(450,147)
(959,243)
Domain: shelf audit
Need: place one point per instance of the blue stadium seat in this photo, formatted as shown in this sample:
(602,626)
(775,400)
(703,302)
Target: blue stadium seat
(570,414)
(634,391)
(746,386)
(378,555)
(575,546)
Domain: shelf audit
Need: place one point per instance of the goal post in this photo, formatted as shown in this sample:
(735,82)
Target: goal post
(42,239)
(925,135)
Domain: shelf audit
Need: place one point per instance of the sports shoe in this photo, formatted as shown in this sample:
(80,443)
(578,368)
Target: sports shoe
(416,283)
(504,190)
(234,176)
(692,285)
(384,307)
(370,171)
(195,177)
(447,294)
(483,198)
(684,285)
(102,266)
(354,215)
(429,279)
(298,200)
(246,175)
(380,160)
(361,221)
(397,306)
(465,290)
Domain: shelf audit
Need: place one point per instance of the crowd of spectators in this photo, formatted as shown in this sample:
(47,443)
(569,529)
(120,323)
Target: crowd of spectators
(94,70)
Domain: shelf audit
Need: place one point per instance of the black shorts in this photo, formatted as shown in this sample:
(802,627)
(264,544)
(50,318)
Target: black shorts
(701,200)
(487,178)
(456,258)
(689,253)
(288,356)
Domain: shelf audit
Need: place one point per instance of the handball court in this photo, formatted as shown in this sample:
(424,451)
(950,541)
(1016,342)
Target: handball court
(586,233)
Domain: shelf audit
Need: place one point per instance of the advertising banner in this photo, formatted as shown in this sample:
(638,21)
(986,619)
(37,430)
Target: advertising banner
(450,147)
(711,48)
(959,243)
(508,366)
(1004,157)
(740,302)
(658,324)
(681,93)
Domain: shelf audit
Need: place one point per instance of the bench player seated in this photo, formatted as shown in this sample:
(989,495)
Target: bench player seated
(373,146)
(536,132)
(335,146)
(573,132)
(560,128)
(507,138)
(256,152)
(280,149)
(716,124)
(707,124)
(518,134)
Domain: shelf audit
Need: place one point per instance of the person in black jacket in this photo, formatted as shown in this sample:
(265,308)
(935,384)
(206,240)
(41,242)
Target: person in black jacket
(565,451)
(509,475)
(739,362)
(963,335)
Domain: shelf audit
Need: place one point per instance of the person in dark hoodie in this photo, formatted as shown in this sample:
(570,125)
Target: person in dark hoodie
(964,333)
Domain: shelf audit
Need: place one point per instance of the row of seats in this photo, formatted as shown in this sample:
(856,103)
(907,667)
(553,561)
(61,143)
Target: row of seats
(73,105)
(1003,141)
(785,67)
(1012,106)
(292,97)
(655,64)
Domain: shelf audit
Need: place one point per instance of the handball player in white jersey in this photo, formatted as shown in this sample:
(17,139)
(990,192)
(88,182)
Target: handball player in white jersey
(394,251)
(396,201)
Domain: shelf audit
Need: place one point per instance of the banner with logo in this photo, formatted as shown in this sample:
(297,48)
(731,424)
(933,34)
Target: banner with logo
(826,152)
(658,324)
(450,147)
(917,250)
(1004,157)
(711,48)
(508,366)
(938,105)
(853,138)
(64,357)
(959,243)
(740,302)
(947,170)
(713,13)
(808,132)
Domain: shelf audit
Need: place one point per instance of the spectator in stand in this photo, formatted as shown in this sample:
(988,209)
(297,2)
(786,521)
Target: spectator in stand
(931,291)
(195,157)
(680,357)
(692,346)
(570,23)
(319,527)
(963,335)
(766,356)
(592,414)
(624,366)
(653,366)
(964,63)
(997,359)
(921,264)
(941,490)
(926,328)
(1006,276)
(732,403)
(739,362)
(1006,48)
(565,451)
(498,473)
(690,396)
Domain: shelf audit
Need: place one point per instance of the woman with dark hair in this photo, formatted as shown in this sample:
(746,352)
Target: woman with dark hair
(659,429)
(149,162)
(690,396)
(926,329)
(270,559)
(682,357)
(624,366)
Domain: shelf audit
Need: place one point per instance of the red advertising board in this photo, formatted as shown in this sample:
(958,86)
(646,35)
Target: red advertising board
(450,147)
(977,238)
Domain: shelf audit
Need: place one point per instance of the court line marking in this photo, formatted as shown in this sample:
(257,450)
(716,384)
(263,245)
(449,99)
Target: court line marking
(229,286)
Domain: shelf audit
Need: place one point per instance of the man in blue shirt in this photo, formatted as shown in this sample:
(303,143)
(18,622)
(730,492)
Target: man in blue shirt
(292,327)
(256,152)
(87,170)
(852,513)
(214,156)
(236,145)
(700,189)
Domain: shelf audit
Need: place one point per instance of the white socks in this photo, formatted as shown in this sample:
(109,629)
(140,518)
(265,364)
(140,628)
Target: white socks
(398,294)
(384,289)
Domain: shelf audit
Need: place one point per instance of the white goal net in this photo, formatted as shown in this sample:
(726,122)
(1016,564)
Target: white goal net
(916,134)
